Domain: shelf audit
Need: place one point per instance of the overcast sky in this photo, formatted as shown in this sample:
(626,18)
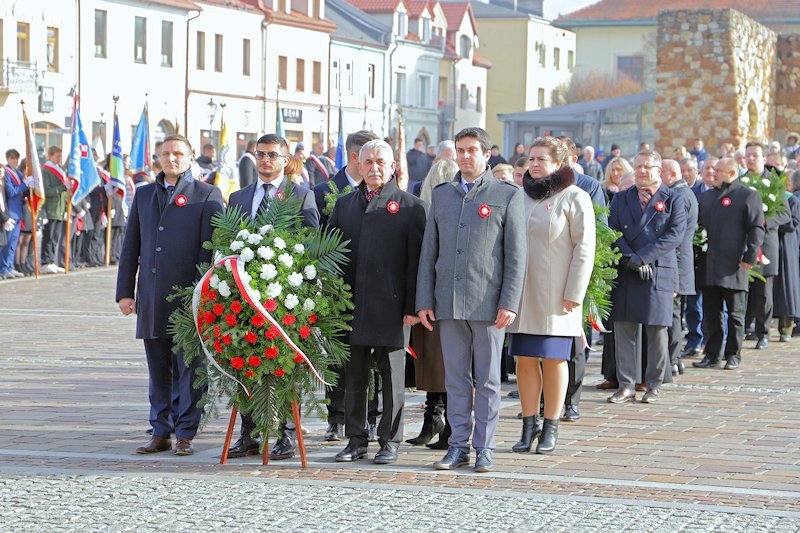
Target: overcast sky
(552,8)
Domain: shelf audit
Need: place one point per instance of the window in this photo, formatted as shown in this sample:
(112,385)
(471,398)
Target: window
(426,29)
(201,50)
(466,45)
(348,77)
(246,57)
(402,24)
(217,52)
(301,75)
(630,66)
(52,49)
(557,58)
(479,99)
(23,41)
(316,82)
(166,43)
(541,98)
(335,74)
(100,32)
(371,80)
(282,72)
(400,88)
(316,9)
(542,54)
(571,59)
(140,40)
(424,91)
(463,97)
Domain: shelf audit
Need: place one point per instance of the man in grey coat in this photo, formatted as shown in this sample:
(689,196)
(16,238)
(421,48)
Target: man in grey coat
(470,278)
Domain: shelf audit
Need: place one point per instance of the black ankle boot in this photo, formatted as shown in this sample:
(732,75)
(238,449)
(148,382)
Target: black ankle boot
(444,436)
(530,428)
(432,425)
(547,440)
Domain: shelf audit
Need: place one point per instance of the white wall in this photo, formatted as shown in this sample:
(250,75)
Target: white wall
(415,60)
(547,77)
(474,113)
(352,102)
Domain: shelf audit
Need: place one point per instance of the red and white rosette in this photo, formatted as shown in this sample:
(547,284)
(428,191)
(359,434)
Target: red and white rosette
(237,268)
(181,200)
(726,201)
(393,207)
(660,206)
(484,211)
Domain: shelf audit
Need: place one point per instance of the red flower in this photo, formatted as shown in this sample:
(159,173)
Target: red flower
(254,360)
(217,345)
(237,363)
(219,309)
(204,291)
(230,319)
(251,337)
(312,319)
(208,337)
(200,322)
(271,352)
(257,321)
(298,359)
(304,332)
(226,339)
(209,318)
(288,320)
(272,333)
(212,295)
(270,305)
(249,373)
(236,307)
(217,331)
(279,372)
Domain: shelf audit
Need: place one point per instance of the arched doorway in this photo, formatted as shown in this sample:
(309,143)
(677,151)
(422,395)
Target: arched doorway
(425,136)
(164,128)
(45,135)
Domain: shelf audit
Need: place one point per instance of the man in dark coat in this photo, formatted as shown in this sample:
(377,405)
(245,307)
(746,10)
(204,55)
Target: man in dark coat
(272,154)
(786,290)
(671,176)
(247,166)
(384,226)
(760,302)
(169,222)
(652,219)
(734,219)
(419,163)
(5,225)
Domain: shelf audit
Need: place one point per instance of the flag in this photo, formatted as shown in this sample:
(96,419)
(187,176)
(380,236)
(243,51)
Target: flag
(341,155)
(140,151)
(226,179)
(117,165)
(279,122)
(402,161)
(33,170)
(81,170)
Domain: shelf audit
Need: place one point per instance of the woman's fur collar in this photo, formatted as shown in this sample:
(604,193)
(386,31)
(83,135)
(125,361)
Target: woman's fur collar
(550,185)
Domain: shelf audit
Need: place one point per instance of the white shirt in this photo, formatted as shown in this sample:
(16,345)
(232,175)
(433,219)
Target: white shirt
(259,195)
(353,183)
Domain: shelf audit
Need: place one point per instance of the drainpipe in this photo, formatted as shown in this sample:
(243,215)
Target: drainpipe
(186,80)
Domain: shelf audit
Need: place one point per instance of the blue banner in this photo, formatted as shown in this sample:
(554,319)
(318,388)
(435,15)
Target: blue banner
(81,169)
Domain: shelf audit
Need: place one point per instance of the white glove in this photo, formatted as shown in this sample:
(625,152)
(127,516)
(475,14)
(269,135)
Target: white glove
(113,212)
(45,221)
(29,181)
(9,225)
(81,214)
(65,216)
(103,221)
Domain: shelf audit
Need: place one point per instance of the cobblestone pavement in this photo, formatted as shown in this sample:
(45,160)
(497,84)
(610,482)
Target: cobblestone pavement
(719,452)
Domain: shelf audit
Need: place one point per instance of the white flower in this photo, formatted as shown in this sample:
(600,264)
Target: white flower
(214,282)
(771,196)
(765,208)
(246,278)
(268,272)
(309,305)
(223,289)
(243,234)
(254,238)
(295,279)
(310,271)
(745,179)
(265,252)
(299,248)
(237,245)
(228,266)
(319,294)
(274,290)
(704,247)
(291,301)
(286,259)
(279,243)
(766,182)
(704,233)
(265,229)
(247,255)
(256,295)
(319,283)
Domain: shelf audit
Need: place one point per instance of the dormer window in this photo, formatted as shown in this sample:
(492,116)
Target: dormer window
(466,46)
(402,24)
(426,29)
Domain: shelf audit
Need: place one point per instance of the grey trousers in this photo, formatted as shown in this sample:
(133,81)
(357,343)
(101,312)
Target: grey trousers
(472,349)
(627,356)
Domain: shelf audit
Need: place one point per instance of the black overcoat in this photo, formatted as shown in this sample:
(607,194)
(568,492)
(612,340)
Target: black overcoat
(653,236)
(734,219)
(786,289)
(164,243)
(384,256)
(341,181)
(685,252)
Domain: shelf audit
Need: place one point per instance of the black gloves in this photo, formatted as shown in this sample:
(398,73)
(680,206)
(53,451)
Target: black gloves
(646,272)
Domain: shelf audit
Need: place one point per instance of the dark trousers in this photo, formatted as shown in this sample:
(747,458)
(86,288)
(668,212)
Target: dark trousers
(608,366)
(694,320)
(117,236)
(286,430)
(577,369)
(162,365)
(391,366)
(713,300)
(335,396)
(674,333)
(52,235)
(760,304)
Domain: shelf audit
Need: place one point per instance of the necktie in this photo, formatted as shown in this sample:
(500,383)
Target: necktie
(264,205)
(170,191)
(468,186)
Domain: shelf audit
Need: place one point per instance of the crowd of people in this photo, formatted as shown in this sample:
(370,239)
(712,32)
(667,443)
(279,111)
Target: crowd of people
(483,264)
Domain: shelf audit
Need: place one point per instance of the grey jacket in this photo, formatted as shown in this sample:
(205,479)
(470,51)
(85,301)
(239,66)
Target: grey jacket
(473,254)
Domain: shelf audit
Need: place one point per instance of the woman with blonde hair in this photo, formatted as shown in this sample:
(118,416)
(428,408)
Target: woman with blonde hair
(294,171)
(560,224)
(440,172)
(616,168)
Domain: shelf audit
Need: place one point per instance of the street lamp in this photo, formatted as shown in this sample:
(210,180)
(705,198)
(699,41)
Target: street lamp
(321,112)
(212,112)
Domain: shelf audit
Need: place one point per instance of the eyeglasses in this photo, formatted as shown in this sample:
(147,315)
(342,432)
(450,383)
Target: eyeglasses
(646,168)
(271,155)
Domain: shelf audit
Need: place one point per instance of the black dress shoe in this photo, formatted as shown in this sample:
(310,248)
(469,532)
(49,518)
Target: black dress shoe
(246,445)
(455,457)
(762,344)
(750,336)
(691,352)
(732,363)
(387,454)
(706,363)
(334,433)
(283,449)
(352,452)
(571,414)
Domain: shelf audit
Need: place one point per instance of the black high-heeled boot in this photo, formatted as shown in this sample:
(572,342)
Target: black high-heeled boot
(548,437)
(444,436)
(432,425)
(530,429)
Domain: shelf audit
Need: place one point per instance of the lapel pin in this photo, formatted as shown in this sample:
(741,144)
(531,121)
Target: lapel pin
(181,200)
(393,207)
(484,211)
(659,206)
(726,201)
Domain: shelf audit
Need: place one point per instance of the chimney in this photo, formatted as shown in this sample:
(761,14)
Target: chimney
(533,7)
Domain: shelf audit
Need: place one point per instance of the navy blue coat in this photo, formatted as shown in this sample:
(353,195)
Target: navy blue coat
(14,193)
(592,188)
(686,249)
(164,243)
(653,236)
(341,181)
(244,199)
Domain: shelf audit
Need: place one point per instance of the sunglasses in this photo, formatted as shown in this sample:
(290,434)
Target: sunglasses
(271,155)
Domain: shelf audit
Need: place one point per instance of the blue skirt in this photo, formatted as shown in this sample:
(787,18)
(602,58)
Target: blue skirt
(542,346)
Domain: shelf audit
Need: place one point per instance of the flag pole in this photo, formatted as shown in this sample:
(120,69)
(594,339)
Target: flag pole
(108,200)
(34,213)
(70,192)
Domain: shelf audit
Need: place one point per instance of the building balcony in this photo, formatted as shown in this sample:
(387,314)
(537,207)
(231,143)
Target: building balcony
(18,77)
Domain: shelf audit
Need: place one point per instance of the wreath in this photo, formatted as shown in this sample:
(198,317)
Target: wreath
(597,302)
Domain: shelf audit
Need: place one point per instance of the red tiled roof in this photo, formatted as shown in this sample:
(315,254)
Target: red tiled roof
(377,6)
(236,4)
(481,61)
(416,7)
(413,37)
(454,14)
(450,51)
(619,10)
